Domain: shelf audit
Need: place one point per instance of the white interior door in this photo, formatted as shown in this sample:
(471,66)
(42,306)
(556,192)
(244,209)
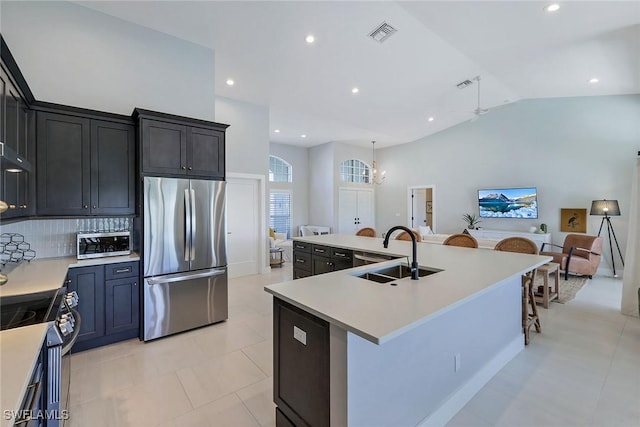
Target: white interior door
(355,210)
(243,227)
(347,210)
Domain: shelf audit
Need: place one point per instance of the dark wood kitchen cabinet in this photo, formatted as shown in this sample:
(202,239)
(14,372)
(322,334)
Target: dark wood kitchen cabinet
(310,259)
(85,166)
(16,129)
(175,146)
(301,354)
(108,303)
(88,282)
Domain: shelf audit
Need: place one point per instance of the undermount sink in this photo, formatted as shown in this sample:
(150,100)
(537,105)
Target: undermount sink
(394,272)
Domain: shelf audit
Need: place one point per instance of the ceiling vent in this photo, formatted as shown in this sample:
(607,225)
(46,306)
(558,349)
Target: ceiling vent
(464,84)
(382,32)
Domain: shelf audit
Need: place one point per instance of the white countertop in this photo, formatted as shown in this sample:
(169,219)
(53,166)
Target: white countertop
(380,312)
(48,274)
(19,350)
(19,346)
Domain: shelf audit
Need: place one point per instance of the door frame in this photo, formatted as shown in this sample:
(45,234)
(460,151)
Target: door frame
(261,238)
(433,203)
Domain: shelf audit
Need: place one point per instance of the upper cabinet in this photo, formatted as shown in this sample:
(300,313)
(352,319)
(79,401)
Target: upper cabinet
(16,136)
(86,166)
(179,146)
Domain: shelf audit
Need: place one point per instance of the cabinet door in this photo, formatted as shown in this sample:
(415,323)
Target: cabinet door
(205,152)
(322,265)
(63,163)
(88,282)
(112,168)
(122,303)
(164,148)
(301,365)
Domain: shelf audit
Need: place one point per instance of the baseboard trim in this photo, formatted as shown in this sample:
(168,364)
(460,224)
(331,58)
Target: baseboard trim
(461,397)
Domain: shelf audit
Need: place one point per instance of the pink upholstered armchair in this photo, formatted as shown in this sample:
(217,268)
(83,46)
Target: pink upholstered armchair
(580,254)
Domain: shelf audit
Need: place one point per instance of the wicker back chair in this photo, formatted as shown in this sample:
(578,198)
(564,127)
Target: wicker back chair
(461,239)
(524,246)
(405,236)
(366,232)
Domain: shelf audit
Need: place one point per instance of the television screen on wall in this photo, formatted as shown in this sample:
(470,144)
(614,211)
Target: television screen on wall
(508,203)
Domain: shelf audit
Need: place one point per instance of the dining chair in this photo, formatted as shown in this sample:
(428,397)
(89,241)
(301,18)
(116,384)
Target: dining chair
(461,239)
(366,232)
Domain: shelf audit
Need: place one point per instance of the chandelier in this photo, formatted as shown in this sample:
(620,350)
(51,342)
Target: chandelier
(374,168)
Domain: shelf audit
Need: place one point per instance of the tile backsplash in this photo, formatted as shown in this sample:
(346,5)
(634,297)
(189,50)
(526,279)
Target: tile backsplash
(57,237)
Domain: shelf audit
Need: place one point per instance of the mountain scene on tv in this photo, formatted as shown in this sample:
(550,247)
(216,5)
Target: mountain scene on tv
(508,203)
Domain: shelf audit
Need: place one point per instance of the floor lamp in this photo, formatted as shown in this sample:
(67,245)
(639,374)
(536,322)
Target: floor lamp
(608,208)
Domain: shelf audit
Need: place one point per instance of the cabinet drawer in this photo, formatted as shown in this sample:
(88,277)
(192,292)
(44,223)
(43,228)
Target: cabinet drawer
(299,273)
(341,254)
(301,246)
(122,269)
(302,260)
(321,250)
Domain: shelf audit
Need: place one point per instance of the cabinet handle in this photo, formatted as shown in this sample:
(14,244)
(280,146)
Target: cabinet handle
(23,206)
(329,263)
(340,254)
(123,270)
(190,168)
(184,167)
(135,283)
(299,247)
(320,251)
(12,206)
(85,206)
(301,261)
(68,281)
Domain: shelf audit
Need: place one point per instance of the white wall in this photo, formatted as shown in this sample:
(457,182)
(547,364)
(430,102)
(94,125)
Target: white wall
(321,185)
(574,150)
(247,137)
(298,158)
(76,56)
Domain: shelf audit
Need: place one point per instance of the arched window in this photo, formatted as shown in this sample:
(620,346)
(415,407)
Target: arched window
(354,171)
(279,170)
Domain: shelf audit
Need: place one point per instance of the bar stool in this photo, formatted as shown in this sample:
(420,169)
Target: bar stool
(544,295)
(529,309)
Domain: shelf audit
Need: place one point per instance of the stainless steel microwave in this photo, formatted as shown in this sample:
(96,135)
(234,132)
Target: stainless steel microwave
(98,245)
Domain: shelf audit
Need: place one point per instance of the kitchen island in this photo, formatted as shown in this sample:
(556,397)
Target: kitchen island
(402,353)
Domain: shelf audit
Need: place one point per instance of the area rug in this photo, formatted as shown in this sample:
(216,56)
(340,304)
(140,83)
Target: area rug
(568,289)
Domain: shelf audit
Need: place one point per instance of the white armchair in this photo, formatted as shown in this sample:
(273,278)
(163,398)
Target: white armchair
(280,241)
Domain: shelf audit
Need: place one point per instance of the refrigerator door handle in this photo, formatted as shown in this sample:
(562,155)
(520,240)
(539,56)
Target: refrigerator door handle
(187,226)
(193,225)
(183,277)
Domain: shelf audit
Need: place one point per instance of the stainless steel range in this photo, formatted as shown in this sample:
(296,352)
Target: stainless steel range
(47,397)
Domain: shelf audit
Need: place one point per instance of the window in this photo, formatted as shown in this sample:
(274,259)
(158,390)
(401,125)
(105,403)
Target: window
(354,171)
(279,170)
(280,212)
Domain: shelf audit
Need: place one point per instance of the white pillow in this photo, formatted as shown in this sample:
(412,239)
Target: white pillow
(424,230)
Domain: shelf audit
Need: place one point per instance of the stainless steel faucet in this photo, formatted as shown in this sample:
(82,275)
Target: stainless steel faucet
(414,263)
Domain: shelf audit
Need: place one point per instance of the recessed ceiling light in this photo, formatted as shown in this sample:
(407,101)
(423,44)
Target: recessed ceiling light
(303,136)
(355,90)
(430,119)
(310,39)
(277,131)
(230,82)
(594,80)
(552,7)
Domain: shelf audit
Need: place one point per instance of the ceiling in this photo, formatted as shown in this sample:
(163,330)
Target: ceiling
(519,50)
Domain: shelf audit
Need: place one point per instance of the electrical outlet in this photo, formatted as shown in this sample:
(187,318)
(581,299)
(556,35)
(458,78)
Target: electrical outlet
(456,362)
(300,335)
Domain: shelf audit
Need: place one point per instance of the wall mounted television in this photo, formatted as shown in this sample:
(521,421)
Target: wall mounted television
(508,203)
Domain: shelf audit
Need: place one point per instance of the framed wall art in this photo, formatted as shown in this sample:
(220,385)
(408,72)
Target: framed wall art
(573,220)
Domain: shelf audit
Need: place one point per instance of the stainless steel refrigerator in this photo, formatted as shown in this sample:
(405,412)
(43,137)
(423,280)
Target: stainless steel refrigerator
(184,250)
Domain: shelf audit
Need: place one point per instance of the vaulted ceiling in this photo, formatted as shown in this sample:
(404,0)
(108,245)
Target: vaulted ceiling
(518,49)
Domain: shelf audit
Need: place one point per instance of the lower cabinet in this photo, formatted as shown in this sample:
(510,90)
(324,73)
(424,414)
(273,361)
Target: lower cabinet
(108,303)
(310,259)
(301,381)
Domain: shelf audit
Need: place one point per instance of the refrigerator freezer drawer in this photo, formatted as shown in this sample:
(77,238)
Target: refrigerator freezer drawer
(178,302)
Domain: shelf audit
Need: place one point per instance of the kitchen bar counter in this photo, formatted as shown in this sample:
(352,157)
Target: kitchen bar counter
(19,351)
(379,312)
(404,355)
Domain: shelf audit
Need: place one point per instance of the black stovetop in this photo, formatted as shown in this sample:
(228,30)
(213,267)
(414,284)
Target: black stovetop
(29,309)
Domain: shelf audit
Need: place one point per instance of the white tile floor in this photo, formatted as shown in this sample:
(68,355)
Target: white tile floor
(583,370)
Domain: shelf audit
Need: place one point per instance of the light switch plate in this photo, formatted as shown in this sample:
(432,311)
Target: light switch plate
(300,335)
